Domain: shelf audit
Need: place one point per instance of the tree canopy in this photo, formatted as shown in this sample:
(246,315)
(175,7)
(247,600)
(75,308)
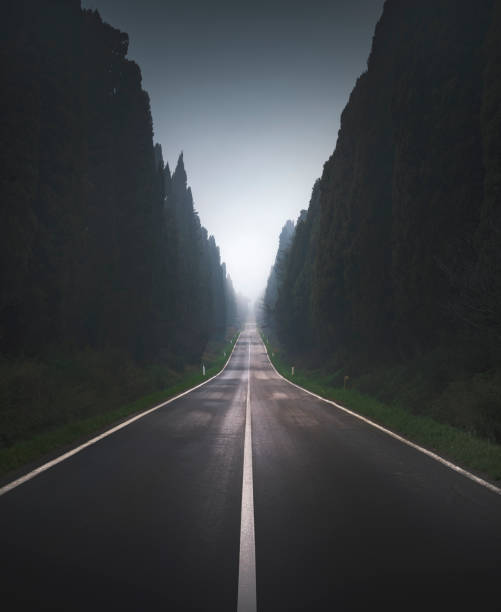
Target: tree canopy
(100,245)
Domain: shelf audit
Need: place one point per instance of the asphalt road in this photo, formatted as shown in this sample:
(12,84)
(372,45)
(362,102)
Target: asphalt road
(345,516)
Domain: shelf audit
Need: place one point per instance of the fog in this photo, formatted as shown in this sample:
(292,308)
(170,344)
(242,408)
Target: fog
(252,94)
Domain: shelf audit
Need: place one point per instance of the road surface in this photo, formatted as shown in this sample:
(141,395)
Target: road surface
(336,515)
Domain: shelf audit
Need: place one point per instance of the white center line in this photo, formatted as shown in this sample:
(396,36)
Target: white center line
(247,563)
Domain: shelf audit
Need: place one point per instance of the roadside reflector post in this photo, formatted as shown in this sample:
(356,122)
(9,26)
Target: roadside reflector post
(203,369)
(292,370)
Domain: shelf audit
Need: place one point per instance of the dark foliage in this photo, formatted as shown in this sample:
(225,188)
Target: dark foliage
(275,279)
(99,246)
(400,253)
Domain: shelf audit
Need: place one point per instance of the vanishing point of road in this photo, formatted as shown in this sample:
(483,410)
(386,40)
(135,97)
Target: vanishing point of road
(247,494)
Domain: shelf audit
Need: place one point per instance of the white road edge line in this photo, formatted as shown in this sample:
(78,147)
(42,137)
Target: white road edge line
(438,458)
(247,562)
(39,470)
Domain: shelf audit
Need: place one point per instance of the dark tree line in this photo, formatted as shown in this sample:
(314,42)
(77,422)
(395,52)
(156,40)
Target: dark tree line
(275,279)
(400,250)
(99,245)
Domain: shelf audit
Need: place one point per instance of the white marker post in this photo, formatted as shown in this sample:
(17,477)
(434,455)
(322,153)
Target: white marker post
(203,369)
(292,370)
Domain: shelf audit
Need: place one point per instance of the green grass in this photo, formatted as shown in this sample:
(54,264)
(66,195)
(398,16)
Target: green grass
(465,449)
(48,407)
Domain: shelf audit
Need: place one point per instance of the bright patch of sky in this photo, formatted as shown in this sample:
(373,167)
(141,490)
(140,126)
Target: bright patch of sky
(252,94)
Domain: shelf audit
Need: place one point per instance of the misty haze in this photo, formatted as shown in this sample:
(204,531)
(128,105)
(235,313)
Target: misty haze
(250,305)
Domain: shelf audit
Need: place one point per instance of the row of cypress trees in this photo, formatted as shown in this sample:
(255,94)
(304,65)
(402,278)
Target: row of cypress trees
(99,245)
(399,254)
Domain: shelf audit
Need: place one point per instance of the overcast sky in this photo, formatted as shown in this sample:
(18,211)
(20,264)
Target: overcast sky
(252,93)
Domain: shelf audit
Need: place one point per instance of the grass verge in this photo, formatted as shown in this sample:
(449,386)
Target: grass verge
(460,447)
(37,433)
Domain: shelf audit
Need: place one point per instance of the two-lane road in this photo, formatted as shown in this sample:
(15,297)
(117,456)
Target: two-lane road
(344,516)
